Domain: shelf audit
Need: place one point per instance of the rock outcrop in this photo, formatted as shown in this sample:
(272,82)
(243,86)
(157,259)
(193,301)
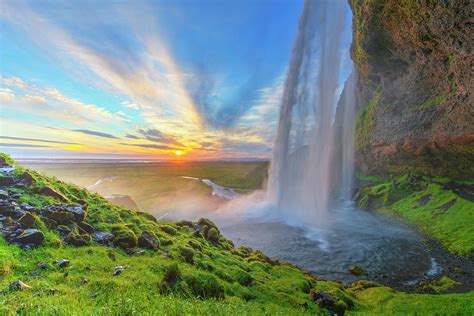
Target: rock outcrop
(416,109)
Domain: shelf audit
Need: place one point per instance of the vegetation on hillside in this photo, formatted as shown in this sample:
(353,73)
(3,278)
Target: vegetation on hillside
(186,268)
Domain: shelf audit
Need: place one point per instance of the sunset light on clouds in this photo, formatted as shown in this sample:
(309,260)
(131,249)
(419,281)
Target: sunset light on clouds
(116,80)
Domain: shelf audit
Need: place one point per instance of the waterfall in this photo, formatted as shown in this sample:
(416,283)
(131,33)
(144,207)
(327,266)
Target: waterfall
(302,171)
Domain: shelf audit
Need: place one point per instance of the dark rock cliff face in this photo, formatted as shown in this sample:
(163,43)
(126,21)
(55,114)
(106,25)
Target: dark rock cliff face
(415,102)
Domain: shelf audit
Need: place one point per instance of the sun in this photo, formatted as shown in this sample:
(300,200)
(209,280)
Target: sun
(178,153)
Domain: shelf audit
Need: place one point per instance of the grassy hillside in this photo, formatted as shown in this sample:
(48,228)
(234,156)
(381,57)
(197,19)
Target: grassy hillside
(184,268)
(441,208)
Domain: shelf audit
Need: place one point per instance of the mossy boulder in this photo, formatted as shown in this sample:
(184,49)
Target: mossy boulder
(148,240)
(205,285)
(125,238)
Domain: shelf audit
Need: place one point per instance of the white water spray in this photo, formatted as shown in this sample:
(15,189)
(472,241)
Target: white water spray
(303,169)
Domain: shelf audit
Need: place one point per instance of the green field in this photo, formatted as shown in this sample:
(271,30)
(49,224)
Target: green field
(159,188)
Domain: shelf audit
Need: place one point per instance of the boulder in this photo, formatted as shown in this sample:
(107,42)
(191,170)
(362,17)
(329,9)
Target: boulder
(125,239)
(118,270)
(27,220)
(103,238)
(65,214)
(27,207)
(148,240)
(78,240)
(6,208)
(27,178)
(52,193)
(357,270)
(4,195)
(325,300)
(85,227)
(29,237)
(6,181)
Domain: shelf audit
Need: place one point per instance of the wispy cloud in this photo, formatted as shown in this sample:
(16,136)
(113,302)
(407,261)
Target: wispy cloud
(152,146)
(19,145)
(94,133)
(37,140)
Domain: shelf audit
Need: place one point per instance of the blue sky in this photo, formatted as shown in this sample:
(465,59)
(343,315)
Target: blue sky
(155,79)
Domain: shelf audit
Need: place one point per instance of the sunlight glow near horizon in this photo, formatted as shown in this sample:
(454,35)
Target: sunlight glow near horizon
(147,79)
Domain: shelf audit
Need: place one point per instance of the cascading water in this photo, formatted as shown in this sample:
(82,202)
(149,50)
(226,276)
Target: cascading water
(303,169)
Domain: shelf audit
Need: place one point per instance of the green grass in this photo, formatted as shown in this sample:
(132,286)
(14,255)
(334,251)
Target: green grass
(426,204)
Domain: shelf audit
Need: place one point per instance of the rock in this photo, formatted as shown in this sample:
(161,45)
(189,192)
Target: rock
(28,208)
(30,237)
(85,227)
(125,239)
(6,208)
(357,270)
(62,263)
(84,281)
(166,255)
(118,270)
(148,240)
(65,214)
(42,265)
(78,240)
(139,253)
(326,300)
(27,178)
(52,193)
(18,213)
(185,224)
(27,220)
(4,195)
(52,291)
(122,200)
(18,285)
(103,238)
(6,181)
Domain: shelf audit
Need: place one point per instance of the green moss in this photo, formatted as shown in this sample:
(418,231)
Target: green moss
(442,285)
(427,204)
(431,102)
(205,285)
(365,122)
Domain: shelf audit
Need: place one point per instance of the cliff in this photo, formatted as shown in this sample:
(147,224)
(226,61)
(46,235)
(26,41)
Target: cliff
(414,96)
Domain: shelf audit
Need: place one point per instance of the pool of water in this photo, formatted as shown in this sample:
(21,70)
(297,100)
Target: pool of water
(390,251)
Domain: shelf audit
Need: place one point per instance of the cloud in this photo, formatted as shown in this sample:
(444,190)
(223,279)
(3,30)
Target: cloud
(94,133)
(37,140)
(152,146)
(22,145)
(132,136)
(130,105)
(157,136)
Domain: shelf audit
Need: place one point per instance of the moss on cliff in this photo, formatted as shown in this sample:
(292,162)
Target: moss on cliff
(365,122)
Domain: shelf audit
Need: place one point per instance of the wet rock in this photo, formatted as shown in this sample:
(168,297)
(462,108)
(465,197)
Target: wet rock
(47,191)
(62,263)
(103,238)
(29,237)
(148,240)
(18,285)
(118,270)
(357,270)
(4,195)
(27,220)
(27,178)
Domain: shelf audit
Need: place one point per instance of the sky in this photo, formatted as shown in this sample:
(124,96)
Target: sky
(159,79)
